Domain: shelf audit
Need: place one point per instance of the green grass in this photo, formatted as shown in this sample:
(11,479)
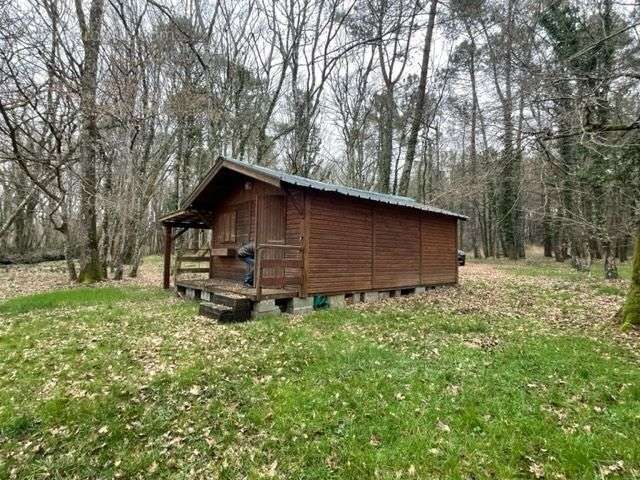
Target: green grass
(76,297)
(122,382)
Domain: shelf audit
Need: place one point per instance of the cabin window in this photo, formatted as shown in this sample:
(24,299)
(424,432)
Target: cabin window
(226,231)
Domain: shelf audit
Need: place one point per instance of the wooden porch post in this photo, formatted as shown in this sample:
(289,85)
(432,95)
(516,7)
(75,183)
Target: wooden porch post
(257,265)
(211,267)
(166,274)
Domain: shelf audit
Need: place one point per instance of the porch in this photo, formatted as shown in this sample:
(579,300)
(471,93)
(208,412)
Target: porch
(231,288)
(215,268)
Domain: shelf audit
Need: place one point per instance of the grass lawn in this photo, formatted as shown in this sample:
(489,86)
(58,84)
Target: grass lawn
(517,373)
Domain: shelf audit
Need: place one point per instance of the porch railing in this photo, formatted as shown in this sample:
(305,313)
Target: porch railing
(274,270)
(198,257)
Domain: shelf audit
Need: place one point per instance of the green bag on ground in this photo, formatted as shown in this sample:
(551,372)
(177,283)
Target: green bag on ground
(320,302)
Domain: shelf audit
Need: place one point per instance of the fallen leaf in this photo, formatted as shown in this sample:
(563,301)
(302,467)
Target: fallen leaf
(536,470)
(607,470)
(271,472)
(443,427)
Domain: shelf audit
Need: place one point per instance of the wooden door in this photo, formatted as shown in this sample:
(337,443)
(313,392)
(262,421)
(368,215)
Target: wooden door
(272,229)
(272,220)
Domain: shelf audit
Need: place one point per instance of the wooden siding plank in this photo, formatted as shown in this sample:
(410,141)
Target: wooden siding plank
(339,244)
(356,246)
(397,248)
(440,265)
(276,282)
(281,263)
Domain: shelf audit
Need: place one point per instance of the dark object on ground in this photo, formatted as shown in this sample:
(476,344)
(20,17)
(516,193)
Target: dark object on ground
(320,302)
(36,257)
(461,257)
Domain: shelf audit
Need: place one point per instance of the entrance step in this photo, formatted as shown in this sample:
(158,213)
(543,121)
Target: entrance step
(224,313)
(236,302)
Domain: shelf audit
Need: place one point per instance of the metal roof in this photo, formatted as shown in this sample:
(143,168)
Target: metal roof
(277,177)
(348,191)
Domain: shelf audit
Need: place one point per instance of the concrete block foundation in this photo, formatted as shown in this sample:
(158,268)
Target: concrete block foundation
(336,301)
(371,297)
(300,305)
(265,307)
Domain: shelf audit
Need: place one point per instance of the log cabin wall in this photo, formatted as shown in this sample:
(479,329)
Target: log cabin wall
(235,222)
(295,206)
(339,244)
(439,249)
(239,206)
(355,245)
(396,237)
(351,245)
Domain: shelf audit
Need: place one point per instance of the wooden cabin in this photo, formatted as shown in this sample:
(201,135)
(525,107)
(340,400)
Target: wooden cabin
(312,238)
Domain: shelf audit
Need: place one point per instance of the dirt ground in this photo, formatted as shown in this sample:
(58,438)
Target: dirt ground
(27,279)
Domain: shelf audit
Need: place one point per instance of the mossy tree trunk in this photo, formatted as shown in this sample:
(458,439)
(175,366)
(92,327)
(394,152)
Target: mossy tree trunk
(90,265)
(631,310)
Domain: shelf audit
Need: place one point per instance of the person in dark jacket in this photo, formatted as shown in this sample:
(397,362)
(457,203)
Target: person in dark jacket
(247,253)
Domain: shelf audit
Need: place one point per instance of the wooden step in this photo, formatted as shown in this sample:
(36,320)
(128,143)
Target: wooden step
(233,301)
(223,313)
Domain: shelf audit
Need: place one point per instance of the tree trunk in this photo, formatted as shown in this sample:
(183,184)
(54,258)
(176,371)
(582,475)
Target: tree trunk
(17,213)
(508,208)
(473,154)
(90,267)
(418,114)
(106,218)
(610,263)
(63,228)
(631,310)
(580,255)
(386,141)
(547,226)
(622,245)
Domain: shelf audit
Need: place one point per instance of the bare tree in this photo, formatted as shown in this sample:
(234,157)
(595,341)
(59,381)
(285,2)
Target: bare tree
(90,265)
(421,94)
(353,92)
(393,56)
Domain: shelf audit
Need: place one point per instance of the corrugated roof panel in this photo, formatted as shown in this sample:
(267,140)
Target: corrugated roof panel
(348,191)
